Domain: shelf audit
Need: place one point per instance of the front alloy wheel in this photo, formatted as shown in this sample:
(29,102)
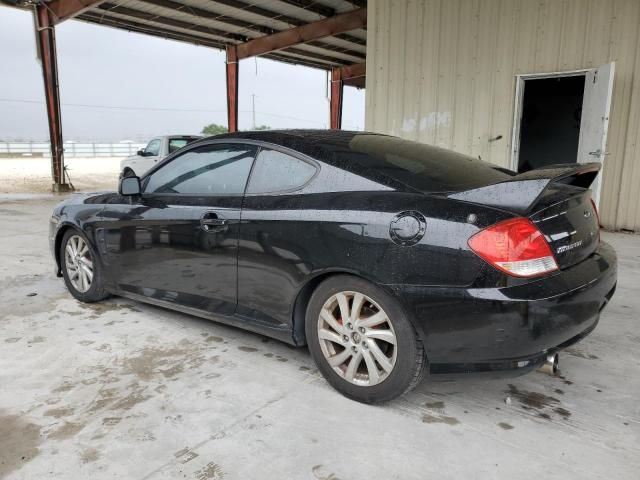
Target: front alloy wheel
(79,263)
(357,338)
(81,267)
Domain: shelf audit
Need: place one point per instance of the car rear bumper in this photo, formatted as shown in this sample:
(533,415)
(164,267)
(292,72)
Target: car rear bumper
(514,328)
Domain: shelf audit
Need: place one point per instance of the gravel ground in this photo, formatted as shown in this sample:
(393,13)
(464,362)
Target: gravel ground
(32,174)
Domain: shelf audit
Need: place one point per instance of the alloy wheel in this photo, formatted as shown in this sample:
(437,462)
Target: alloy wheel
(357,338)
(79,263)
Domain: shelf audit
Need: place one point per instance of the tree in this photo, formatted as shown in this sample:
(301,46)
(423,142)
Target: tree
(263,127)
(214,129)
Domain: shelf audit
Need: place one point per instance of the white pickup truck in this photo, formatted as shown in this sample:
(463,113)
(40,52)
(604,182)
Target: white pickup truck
(156,150)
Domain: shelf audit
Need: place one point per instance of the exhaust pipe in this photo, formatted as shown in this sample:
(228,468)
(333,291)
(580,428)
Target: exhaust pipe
(550,366)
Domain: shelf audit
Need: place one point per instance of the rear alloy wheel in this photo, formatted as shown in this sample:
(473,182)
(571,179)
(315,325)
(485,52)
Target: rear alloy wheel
(357,338)
(362,341)
(80,268)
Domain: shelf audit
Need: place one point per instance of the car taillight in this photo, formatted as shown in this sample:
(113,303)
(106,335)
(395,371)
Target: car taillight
(516,247)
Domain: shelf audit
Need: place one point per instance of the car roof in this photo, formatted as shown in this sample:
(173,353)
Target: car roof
(421,167)
(296,135)
(318,144)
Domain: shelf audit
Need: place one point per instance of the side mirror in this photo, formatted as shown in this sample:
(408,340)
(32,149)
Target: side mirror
(140,153)
(129,186)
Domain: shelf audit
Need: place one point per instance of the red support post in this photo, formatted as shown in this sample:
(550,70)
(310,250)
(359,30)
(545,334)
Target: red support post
(337,87)
(46,40)
(232,88)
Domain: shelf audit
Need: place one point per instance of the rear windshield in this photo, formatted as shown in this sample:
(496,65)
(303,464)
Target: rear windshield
(424,167)
(176,143)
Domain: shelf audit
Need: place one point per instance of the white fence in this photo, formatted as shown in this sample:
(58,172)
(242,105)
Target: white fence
(71,149)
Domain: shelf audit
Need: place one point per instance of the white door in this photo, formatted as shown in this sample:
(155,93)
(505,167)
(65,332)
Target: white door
(595,119)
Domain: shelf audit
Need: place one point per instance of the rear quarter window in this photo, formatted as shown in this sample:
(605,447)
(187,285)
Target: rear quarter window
(278,172)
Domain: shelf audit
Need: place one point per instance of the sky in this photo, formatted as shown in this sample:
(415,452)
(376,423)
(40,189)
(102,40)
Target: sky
(116,85)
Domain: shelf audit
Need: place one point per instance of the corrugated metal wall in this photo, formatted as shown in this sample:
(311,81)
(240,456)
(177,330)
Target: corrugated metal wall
(443,72)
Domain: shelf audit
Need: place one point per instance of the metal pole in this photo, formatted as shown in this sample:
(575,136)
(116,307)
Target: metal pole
(337,87)
(46,41)
(232,88)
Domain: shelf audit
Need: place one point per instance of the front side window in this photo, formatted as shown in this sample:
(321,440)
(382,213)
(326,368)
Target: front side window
(276,172)
(207,170)
(153,148)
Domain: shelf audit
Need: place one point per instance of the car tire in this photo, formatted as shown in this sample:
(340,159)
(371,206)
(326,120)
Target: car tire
(389,355)
(81,268)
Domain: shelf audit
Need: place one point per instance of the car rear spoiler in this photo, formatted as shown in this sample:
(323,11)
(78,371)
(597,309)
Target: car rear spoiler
(522,191)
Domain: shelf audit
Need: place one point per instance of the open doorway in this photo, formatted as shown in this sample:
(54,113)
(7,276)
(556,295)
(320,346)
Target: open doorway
(562,117)
(550,122)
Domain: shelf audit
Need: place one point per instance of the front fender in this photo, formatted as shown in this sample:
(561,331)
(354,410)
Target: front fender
(83,218)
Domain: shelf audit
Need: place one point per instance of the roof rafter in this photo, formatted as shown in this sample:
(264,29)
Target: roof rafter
(273,15)
(303,34)
(325,60)
(260,28)
(130,12)
(142,28)
(311,6)
(62,10)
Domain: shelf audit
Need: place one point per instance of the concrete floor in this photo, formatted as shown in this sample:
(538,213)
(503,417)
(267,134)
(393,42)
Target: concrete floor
(125,390)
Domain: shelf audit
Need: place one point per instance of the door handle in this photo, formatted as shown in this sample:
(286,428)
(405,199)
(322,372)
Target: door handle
(598,153)
(212,223)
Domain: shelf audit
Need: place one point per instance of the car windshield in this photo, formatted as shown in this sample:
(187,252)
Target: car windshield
(424,167)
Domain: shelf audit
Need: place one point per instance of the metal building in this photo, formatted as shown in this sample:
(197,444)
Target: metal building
(520,83)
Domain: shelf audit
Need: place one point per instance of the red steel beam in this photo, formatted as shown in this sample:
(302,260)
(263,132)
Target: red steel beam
(305,33)
(354,75)
(61,10)
(46,40)
(341,76)
(232,88)
(356,70)
(335,106)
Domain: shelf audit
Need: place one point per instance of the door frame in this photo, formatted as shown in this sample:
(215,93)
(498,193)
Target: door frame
(517,108)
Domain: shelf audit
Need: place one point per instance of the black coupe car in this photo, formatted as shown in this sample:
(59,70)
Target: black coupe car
(388,258)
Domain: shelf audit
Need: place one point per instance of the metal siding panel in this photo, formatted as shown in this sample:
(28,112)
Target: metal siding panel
(549,34)
(375,67)
(572,39)
(453,83)
(485,64)
(503,87)
(526,36)
(428,99)
(396,71)
(596,42)
(373,33)
(411,87)
(626,18)
(385,73)
(445,102)
(464,76)
(628,211)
